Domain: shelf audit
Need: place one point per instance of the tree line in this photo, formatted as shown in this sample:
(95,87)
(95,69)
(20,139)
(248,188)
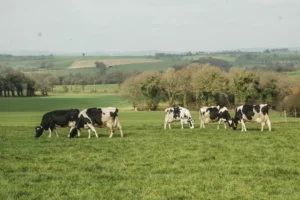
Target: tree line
(14,83)
(203,85)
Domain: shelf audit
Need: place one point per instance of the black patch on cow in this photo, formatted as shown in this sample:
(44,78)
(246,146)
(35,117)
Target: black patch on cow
(213,113)
(265,109)
(176,113)
(238,116)
(248,111)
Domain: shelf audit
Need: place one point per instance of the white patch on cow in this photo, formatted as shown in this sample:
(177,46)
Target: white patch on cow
(71,123)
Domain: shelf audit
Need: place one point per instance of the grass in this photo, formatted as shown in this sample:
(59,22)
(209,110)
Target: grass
(149,162)
(80,101)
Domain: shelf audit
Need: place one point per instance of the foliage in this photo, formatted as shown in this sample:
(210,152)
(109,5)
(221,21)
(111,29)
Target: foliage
(223,64)
(199,85)
(150,89)
(13,83)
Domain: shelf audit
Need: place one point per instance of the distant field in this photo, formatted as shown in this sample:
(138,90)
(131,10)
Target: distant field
(295,74)
(112,62)
(87,89)
(134,67)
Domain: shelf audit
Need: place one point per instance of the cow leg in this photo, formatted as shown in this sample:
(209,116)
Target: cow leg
(78,133)
(111,132)
(120,128)
(169,123)
(269,124)
(181,121)
(225,124)
(243,126)
(219,122)
(203,122)
(89,131)
(50,132)
(54,130)
(91,127)
(262,124)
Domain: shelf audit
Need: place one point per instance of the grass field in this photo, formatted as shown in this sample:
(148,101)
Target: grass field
(149,162)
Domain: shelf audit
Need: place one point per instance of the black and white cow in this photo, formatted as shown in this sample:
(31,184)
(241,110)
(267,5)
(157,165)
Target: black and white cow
(213,114)
(101,117)
(56,118)
(178,114)
(257,113)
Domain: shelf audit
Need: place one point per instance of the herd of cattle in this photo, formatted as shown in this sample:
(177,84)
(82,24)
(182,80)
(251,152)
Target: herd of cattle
(108,117)
(257,113)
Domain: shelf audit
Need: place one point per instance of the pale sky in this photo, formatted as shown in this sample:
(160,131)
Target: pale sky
(139,25)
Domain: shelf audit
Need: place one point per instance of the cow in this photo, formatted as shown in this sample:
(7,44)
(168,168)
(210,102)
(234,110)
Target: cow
(213,114)
(258,113)
(178,114)
(101,117)
(55,118)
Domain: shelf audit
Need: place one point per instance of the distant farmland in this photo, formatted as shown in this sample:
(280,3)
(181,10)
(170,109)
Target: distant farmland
(112,62)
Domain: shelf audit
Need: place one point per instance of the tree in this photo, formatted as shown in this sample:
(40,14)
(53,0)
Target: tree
(151,90)
(130,90)
(245,86)
(30,83)
(119,77)
(169,85)
(101,66)
(209,84)
(184,86)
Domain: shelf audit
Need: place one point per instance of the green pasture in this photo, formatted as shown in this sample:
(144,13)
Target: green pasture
(56,102)
(295,74)
(148,162)
(99,88)
(151,163)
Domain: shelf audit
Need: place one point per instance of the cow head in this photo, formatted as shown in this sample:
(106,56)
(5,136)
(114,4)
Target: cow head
(73,131)
(231,124)
(191,121)
(38,131)
(114,114)
(235,122)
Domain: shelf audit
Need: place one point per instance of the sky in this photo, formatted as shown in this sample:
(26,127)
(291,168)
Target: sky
(142,25)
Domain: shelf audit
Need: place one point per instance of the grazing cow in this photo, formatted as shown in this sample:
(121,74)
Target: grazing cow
(213,114)
(102,117)
(178,114)
(56,118)
(257,113)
